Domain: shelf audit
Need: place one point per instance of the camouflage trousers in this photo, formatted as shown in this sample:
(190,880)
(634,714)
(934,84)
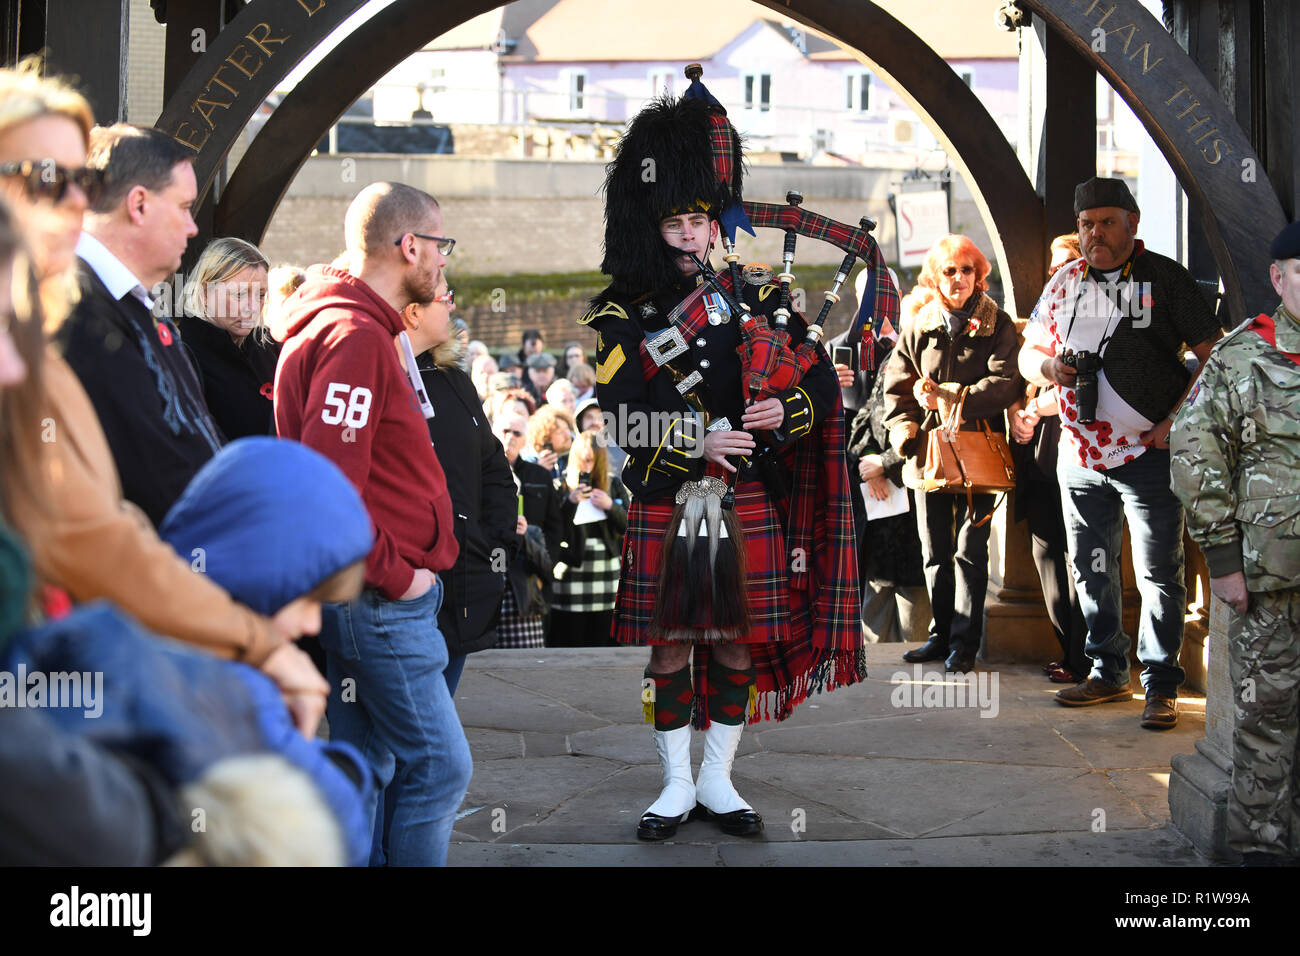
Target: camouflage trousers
(1264,664)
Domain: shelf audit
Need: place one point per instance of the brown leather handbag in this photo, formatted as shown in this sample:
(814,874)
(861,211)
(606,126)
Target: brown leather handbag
(967,462)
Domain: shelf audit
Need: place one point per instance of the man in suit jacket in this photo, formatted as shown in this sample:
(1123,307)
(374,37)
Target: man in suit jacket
(130,361)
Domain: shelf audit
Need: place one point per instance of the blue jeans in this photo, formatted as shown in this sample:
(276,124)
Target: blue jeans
(1095,504)
(455,667)
(388,698)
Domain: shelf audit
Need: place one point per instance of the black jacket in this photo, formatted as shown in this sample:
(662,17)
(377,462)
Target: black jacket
(537,552)
(889,549)
(483,502)
(640,410)
(143,385)
(238,380)
(574,545)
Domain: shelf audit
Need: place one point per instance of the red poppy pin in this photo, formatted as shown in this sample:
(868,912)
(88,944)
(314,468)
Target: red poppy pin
(267,392)
(164,333)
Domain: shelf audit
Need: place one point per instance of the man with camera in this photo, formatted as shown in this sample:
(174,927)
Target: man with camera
(1109,331)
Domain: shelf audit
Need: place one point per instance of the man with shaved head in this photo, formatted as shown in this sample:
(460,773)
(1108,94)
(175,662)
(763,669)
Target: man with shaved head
(344,388)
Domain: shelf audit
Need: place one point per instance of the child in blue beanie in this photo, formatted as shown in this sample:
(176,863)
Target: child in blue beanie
(280,527)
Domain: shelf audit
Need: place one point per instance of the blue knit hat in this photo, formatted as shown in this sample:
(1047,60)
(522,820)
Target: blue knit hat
(269,519)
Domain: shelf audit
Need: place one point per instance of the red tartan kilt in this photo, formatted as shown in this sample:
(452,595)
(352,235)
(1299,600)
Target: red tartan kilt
(772,616)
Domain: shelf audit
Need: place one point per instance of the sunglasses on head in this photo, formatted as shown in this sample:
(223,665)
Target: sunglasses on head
(43,179)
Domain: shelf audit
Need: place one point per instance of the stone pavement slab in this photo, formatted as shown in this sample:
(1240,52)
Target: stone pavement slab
(899,770)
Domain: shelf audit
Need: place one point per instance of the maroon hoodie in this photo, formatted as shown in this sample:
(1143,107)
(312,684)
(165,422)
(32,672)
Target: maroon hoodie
(341,390)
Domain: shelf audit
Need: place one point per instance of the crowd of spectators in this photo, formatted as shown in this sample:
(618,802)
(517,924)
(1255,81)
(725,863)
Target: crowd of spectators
(503,530)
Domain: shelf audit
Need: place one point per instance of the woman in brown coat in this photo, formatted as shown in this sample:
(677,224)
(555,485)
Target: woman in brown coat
(961,339)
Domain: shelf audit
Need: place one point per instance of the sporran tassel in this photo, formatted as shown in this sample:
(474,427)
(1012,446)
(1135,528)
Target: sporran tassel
(700,595)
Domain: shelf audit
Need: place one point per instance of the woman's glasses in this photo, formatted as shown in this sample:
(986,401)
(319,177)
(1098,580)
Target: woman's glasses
(43,179)
(950,271)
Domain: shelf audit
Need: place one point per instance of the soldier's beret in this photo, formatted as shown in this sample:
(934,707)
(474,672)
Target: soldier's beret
(1101,191)
(1287,243)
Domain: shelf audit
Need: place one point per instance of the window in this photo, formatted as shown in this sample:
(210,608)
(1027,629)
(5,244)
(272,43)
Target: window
(661,82)
(857,90)
(967,77)
(577,90)
(823,141)
(758,91)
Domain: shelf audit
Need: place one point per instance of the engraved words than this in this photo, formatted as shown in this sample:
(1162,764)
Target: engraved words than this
(1125,39)
(261,42)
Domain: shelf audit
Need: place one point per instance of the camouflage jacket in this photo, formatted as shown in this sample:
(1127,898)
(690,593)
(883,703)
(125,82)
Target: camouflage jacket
(1236,455)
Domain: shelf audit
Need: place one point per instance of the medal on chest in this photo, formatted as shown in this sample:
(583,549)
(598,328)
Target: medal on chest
(716,307)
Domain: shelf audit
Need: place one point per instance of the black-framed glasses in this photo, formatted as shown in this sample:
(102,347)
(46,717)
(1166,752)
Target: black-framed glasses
(445,245)
(46,180)
(448,297)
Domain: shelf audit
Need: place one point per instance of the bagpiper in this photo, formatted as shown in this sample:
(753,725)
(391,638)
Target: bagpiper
(739,549)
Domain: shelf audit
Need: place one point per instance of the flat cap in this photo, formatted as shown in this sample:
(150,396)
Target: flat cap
(541,360)
(1287,243)
(1101,191)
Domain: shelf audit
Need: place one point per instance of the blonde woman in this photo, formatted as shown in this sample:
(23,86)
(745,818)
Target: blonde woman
(586,570)
(223,328)
(84,539)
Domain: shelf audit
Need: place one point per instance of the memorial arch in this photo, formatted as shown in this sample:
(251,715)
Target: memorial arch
(1226,184)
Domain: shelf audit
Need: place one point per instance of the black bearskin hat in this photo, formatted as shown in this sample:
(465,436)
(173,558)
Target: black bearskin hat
(663,166)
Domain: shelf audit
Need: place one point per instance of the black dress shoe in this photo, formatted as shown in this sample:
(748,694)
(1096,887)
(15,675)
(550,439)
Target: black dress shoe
(931,650)
(655,827)
(735,823)
(959,662)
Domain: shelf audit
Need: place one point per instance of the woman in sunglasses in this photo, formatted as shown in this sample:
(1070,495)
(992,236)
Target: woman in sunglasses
(959,340)
(85,541)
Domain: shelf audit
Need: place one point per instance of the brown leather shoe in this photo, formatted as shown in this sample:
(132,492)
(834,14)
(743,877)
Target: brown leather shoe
(1093,691)
(1160,713)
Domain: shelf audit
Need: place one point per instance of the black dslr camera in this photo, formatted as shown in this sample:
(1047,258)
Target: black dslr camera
(1087,365)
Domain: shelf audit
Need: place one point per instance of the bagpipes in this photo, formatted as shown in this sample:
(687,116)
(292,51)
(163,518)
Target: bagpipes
(686,607)
(701,591)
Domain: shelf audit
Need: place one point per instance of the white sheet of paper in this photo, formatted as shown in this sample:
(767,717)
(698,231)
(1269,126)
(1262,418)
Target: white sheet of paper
(587,513)
(895,504)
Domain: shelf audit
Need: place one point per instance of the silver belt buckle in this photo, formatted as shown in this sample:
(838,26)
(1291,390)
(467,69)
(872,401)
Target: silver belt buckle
(689,382)
(666,346)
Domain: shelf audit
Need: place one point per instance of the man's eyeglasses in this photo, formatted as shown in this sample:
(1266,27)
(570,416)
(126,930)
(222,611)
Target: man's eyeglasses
(444,245)
(447,298)
(43,179)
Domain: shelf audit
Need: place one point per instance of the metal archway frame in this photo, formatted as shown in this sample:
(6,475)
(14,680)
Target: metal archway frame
(1194,129)
(947,104)
(279,33)
(306,114)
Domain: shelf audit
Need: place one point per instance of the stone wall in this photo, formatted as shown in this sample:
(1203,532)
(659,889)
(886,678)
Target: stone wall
(546,216)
